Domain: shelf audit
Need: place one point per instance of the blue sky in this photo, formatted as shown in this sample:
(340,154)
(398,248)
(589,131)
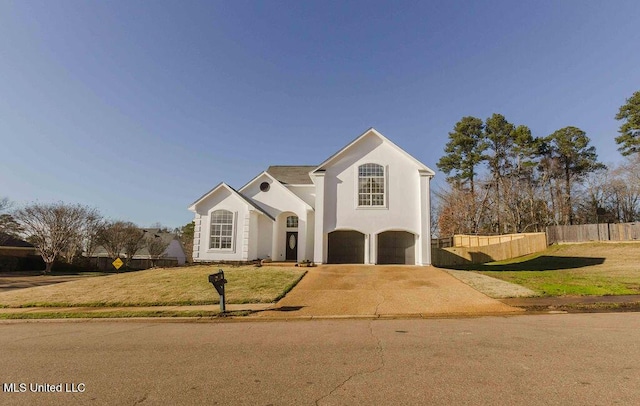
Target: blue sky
(139,107)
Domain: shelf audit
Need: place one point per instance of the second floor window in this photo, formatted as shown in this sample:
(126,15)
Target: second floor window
(371,184)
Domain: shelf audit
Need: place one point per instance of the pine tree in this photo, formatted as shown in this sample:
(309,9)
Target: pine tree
(464,151)
(629,139)
(569,146)
(499,134)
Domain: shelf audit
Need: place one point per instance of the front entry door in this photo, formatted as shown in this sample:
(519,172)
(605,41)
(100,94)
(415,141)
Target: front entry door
(292,246)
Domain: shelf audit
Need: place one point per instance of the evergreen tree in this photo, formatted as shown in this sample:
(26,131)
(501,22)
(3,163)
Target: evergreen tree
(499,134)
(464,151)
(575,158)
(629,139)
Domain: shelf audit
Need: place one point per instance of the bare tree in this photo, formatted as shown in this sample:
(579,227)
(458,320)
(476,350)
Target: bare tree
(9,227)
(52,227)
(156,246)
(112,236)
(86,239)
(121,237)
(93,226)
(161,227)
(460,212)
(134,242)
(625,190)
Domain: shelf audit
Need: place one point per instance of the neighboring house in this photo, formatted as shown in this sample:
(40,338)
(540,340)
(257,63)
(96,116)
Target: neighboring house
(15,247)
(174,249)
(368,203)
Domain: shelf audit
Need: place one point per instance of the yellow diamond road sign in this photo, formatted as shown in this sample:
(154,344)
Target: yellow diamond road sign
(117,263)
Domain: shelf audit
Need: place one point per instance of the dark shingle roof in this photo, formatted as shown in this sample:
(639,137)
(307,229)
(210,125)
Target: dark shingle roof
(7,240)
(292,175)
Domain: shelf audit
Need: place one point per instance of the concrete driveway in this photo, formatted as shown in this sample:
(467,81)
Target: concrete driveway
(383,290)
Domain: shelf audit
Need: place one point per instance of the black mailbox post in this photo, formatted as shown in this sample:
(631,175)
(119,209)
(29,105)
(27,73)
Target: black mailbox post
(218,281)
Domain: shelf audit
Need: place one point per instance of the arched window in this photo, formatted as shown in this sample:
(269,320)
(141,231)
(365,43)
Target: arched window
(371,184)
(292,222)
(221,229)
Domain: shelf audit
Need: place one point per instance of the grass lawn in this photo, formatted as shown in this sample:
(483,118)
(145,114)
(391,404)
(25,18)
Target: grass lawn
(161,287)
(573,269)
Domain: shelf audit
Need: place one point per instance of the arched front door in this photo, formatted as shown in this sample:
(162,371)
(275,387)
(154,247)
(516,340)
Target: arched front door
(291,242)
(292,246)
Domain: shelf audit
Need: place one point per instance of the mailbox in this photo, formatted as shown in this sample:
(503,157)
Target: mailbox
(218,281)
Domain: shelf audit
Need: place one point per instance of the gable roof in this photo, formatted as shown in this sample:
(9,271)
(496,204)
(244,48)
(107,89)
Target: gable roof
(374,132)
(167,236)
(292,175)
(286,189)
(233,192)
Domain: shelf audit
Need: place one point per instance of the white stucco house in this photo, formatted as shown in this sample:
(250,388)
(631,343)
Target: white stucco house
(368,203)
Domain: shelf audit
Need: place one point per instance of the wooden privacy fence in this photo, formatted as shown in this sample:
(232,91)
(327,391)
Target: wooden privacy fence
(594,232)
(472,249)
(463,240)
(442,242)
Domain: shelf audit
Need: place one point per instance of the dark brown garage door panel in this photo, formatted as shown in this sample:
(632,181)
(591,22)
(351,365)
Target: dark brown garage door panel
(396,247)
(345,247)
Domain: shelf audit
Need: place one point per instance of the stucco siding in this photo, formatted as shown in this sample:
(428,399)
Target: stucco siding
(330,204)
(265,234)
(402,194)
(224,200)
(306,193)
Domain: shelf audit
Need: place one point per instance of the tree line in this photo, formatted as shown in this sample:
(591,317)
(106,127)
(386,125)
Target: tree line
(65,232)
(502,179)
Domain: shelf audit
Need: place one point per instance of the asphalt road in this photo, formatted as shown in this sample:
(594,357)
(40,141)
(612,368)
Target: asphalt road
(568,359)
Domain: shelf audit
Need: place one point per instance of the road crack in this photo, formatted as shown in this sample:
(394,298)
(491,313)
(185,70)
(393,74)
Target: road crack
(379,353)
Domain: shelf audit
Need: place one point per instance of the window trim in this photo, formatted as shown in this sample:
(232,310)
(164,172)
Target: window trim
(234,221)
(286,222)
(385,190)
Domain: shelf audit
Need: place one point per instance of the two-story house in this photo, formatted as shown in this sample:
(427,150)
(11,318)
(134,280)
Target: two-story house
(369,203)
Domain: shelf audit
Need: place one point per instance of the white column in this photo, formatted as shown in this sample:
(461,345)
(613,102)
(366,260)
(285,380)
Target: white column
(245,236)
(366,249)
(197,230)
(424,257)
(309,234)
(275,240)
(319,251)
(373,248)
(302,237)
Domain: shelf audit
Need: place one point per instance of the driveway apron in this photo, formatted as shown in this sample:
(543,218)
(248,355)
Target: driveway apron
(383,290)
